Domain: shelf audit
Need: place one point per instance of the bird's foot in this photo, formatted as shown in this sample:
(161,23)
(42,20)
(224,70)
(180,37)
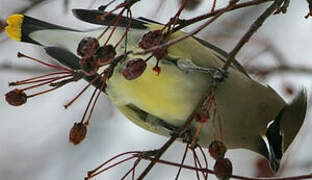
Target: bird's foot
(217,74)
(186,136)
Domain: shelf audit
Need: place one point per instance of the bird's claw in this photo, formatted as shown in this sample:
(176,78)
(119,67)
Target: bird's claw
(219,74)
(186,135)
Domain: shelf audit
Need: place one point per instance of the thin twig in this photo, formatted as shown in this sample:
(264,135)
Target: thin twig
(187,22)
(182,162)
(192,33)
(308,176)
(253,28)
(195,164)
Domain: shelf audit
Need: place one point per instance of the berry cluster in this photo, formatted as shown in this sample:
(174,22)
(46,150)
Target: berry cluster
(152,39)
(223,166)
(134,68)
(93,56)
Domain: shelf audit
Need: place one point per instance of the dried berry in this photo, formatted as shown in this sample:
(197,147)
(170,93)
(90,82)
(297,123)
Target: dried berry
(77,133)
(217,149)
(87,47)
(16,97)
(89,65)
(134,68)
(105,55)
(223,169)
(151,39)
(160,53)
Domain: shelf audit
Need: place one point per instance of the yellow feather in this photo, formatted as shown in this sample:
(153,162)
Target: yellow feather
(13,28)
(167,95)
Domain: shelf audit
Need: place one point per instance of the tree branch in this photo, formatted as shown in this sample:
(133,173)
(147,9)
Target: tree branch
(253,28)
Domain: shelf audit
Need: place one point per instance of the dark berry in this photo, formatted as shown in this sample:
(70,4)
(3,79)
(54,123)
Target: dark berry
(151,39)
(160,53)
(89,65)
(105,55)
(134,68)
(217,149)
(16,97)
(87,47)
(77,133)
(223,169)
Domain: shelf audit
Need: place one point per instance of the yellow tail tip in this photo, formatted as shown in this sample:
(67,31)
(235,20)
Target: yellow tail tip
(13,28)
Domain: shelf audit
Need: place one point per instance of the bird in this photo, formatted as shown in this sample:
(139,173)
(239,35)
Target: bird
(252,114)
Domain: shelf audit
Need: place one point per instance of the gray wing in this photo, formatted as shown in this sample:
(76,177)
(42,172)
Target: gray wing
(90,16)
(222,55)
(70,60)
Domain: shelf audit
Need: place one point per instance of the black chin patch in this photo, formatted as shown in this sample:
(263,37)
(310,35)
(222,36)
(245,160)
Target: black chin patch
(275,140)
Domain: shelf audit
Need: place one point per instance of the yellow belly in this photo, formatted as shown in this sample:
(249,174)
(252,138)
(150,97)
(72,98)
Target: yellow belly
(171,95)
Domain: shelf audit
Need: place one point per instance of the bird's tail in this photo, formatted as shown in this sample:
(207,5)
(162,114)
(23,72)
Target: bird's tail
(59,42)
(27,29)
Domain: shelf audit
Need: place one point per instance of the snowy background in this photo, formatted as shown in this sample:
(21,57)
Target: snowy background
(34,138)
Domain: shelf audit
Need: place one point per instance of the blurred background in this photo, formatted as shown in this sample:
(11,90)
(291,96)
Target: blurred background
(34,138)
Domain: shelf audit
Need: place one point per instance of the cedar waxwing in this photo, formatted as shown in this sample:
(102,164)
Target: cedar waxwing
(253,116)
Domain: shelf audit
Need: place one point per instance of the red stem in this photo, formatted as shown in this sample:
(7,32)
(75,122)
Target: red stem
(26,81)
(111,166)
(115,26)
(19,54)
(127,29)
(205,159)
(81,92)
(111,159)
(50,81)
(88,106)
(309,176)
(132,169)
(183,159)
(42,92)
(195,163)
(96,98)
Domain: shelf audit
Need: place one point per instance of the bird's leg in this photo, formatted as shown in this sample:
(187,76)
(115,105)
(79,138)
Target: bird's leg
(217,74)
(186,136)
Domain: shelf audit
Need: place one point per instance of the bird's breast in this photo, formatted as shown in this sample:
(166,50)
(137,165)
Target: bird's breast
(171,95)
